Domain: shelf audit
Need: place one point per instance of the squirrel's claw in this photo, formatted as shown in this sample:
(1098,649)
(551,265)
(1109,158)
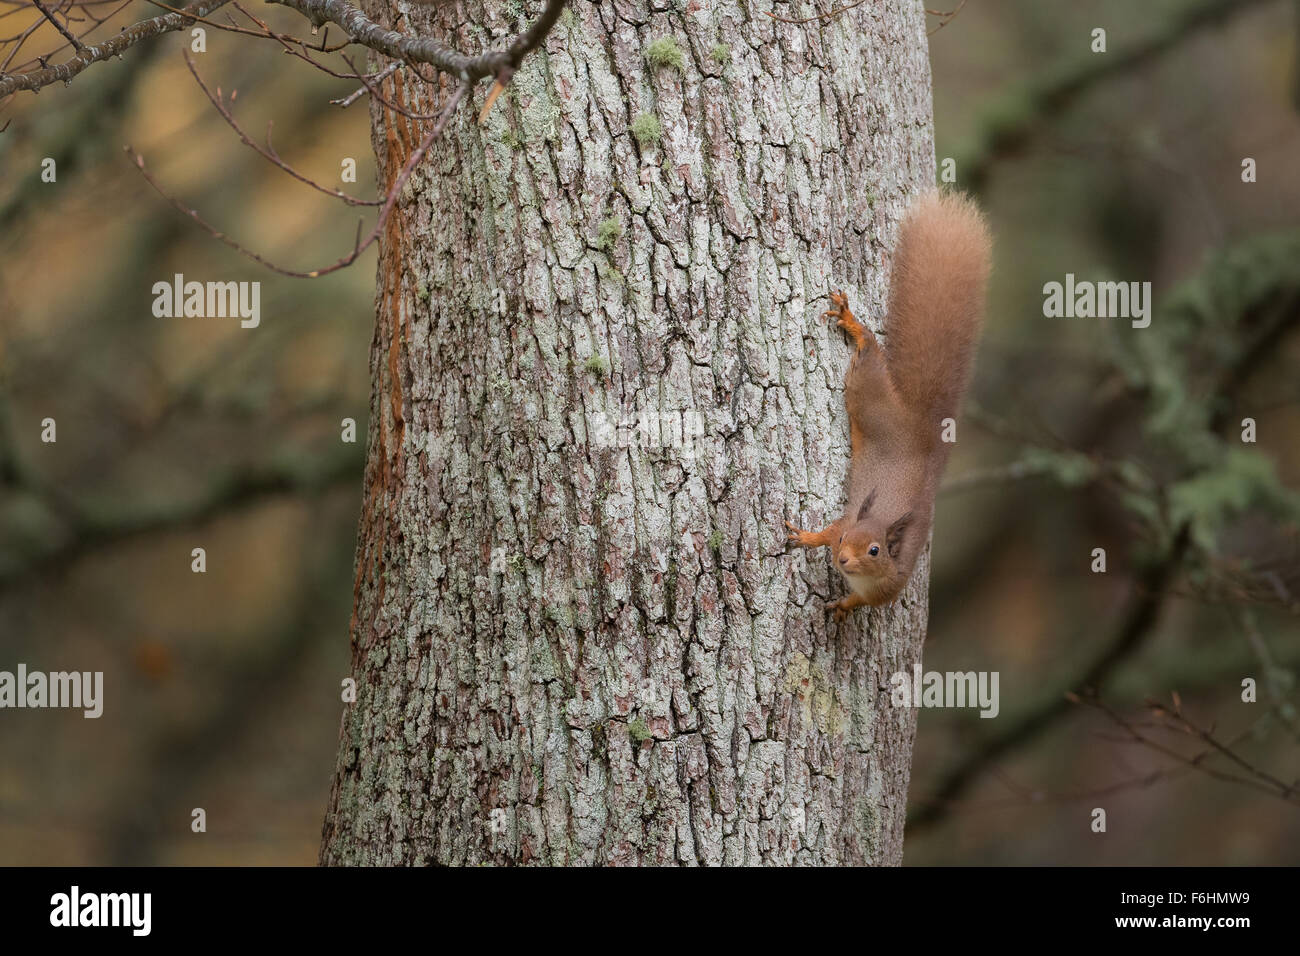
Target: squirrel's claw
(797,536)
(839,302)
(845,319)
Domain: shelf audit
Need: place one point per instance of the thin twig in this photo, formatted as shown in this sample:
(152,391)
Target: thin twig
(362,90)
(269,153)
(65,71)
(944,18)
(1254,778)
(361,245)
(821,16)
(76,44)
(378,97)
(366,32)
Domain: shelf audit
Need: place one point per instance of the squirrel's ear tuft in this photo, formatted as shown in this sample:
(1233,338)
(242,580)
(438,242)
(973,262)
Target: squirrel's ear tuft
(866,505)
(894,536)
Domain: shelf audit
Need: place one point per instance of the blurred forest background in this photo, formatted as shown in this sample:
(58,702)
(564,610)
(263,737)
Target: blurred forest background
(222,689)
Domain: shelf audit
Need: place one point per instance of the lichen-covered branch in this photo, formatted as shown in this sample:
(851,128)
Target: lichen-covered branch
(427,49)
(360,29)
(33,80)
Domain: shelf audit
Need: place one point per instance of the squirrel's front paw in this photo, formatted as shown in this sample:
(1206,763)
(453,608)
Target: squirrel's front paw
(844,605)
(804,539)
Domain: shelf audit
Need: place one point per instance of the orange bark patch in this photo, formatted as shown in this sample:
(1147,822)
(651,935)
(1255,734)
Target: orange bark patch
(399,137)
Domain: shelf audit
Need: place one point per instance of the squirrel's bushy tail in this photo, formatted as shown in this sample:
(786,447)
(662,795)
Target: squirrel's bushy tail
(936,302)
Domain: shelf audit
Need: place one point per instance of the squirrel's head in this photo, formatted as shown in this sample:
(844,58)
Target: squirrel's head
(868,551)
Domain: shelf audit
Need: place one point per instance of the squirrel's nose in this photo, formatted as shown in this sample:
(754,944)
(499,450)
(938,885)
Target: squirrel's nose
(844,560)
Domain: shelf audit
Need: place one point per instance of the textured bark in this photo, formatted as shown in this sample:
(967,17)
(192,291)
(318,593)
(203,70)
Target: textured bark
(579,645)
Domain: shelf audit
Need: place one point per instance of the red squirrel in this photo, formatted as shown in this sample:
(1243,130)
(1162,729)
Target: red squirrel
(898,396)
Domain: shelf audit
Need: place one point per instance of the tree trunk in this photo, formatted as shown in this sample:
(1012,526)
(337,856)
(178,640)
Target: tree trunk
(601,382)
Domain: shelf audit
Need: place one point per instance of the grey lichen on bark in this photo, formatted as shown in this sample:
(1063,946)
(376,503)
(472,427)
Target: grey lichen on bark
(602,381)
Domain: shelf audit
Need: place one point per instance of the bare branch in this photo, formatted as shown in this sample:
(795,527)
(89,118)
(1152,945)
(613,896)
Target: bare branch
(265,33)
(269,153)
(358,26)
(945,18)
(361,245)
(373,89)
(1251,776)
(361,91)
(469,69)
(230,492)
(65,71)
(1138,621)
(76,44)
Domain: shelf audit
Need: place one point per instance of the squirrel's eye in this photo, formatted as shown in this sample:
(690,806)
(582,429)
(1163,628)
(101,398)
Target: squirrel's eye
(873,550)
